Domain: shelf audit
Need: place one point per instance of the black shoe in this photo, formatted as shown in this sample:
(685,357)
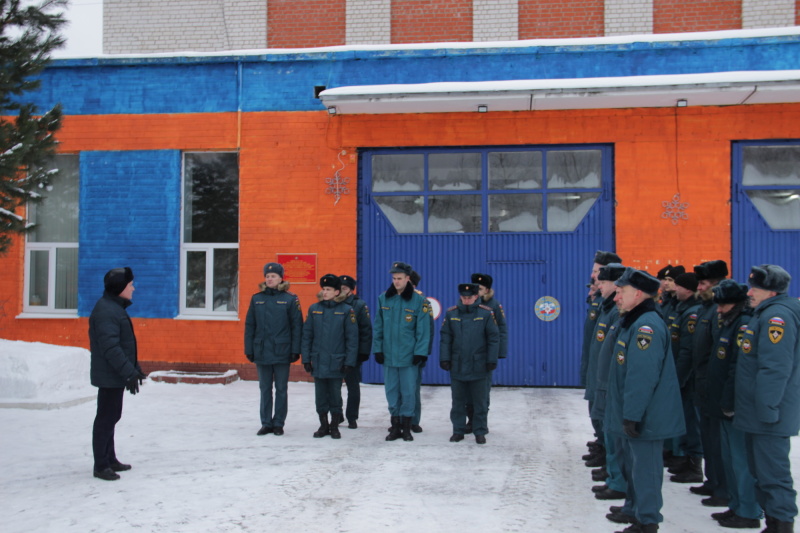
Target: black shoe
(621,518)
(324,427)
(714,501)
(107,474)
(416,428)
(601,475)
(352,424)
(456,437)
(480,439)
(615,509)
(599,488)
(469,427)
(633,528)
(407,436)
(676,463)
(783,527)
(648,528)
(727,514)
(334,431)
(116,466)
(396,430)
(264,430)
(687,477)
(610,494)
(702,490)
(277,431)
(737,522)
(597,460)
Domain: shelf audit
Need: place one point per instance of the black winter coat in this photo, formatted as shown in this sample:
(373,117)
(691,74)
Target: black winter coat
(112,343)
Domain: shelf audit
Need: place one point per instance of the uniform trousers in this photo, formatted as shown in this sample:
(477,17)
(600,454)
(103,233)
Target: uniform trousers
(712,455)
(400,384)
(109,412)
(741,484)
(418,397)
(462,392)
(692,444)
(353,382)
(768,458)
(328,395)
(615,480)
(279,375)
(642,464)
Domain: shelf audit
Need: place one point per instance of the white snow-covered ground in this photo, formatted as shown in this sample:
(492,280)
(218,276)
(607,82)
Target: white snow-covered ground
(199,466)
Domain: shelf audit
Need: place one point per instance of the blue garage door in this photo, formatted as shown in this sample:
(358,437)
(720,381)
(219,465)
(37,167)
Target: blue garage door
(766,207)
(530,217)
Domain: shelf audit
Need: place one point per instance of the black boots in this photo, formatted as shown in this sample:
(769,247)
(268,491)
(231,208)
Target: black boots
(692,474)
(116,466)
(324,428)
(395,430)
(334,427)
(407,436)
(107,474)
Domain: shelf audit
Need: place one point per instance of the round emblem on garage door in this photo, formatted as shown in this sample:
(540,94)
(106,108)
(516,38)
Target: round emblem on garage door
(547,308)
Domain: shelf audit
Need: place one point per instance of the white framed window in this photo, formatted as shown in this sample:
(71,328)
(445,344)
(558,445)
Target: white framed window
(51,246)
(210,235)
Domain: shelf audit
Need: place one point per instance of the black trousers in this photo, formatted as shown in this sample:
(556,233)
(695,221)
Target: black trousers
(109,411)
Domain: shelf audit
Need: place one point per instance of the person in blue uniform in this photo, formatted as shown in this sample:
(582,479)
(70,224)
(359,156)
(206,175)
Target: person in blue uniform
(469,348)
(353,378)
(330,351)
(273,331)
(667,299)
(400,340)
(600,360)
(734,314)
(767,406)
(415,420)
(644,404)
(597,451)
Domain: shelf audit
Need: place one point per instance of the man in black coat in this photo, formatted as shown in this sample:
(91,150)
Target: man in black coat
(114,367)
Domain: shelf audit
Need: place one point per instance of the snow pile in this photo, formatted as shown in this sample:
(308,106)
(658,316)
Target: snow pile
(37,375)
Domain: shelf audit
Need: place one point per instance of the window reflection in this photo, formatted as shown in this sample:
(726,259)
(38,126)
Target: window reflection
(771,165)
(398,172)
(574,169)
(515,170)
(515,212)
(454,172)
(566,210)
(459,213)
(404,212)
(780,208)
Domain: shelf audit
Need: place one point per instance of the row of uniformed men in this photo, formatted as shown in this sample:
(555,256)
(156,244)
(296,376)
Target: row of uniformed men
(647,362)
(338,336)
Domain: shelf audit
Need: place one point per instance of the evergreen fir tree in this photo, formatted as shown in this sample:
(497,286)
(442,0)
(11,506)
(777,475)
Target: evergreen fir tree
(28,34)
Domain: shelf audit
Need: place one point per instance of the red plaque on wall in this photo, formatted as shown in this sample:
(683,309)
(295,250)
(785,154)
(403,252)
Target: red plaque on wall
(299,268)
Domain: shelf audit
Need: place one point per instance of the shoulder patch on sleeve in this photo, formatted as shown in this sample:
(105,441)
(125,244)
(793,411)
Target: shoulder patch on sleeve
(646,329)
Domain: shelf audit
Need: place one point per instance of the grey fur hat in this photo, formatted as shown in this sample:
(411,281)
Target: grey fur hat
(729,292)
(770,278)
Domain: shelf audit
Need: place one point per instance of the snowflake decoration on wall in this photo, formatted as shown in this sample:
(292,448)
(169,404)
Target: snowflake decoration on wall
(675,210)
(337,185)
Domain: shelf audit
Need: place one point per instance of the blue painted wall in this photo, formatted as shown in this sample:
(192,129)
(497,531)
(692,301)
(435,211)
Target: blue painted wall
(285,82)
(130,216)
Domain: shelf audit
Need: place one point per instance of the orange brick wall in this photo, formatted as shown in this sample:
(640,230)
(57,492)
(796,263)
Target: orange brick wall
(430,21)
(306,23)
(673,16)
(550,19)
(286,157)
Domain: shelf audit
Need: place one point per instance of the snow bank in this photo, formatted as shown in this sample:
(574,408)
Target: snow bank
(43,376)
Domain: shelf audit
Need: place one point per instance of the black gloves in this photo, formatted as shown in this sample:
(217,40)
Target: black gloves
(308,367)
(490,366)
(133,385)
(629,427)
(250,357)
(346,369)
(418,359)
(362,357)
(379,357)
(444,365)
(294,358)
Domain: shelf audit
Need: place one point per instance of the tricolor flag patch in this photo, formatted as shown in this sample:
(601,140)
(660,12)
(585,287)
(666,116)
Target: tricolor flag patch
(776,321)
(646,329)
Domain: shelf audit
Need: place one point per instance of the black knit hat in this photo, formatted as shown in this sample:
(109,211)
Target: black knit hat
(117,279)
(401,268)
(687,280)
(605,258)
(468,289)
(611,272)
(331,280)
(639,280)
(415,278)
(483,279)
(728,291)
(670,271)
(770,278)
(276,268)
(348,281)
(717,269)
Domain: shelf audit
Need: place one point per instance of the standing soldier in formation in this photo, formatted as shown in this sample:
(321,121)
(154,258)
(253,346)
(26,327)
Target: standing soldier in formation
(470,342)
(668,300)
(600,355)
(597,451)
(767,406)
(687,456)
(330,351)
(401,340)
(643,400)
(273,333)
(353,378)
(734,314)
